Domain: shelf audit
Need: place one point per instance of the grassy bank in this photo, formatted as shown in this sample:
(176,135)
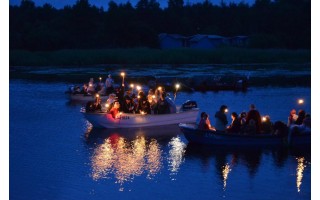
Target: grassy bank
(76,57)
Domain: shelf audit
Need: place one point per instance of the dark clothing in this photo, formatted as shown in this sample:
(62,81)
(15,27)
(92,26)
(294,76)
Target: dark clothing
(203,125)
(127,107)
(222,117)
(255,115)
(235,126)
(144,106)
(299,120)
(163,107)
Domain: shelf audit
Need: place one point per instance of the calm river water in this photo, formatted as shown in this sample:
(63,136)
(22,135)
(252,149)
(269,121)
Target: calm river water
(55,154)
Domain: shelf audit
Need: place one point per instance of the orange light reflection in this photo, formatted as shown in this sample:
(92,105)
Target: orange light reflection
(125,159)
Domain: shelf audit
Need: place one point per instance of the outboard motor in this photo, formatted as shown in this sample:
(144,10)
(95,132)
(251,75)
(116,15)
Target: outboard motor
(189,105)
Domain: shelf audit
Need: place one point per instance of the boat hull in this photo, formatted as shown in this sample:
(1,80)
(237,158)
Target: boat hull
(209,137)
(127,120)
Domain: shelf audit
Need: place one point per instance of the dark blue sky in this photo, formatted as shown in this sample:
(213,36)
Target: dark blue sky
(104,3)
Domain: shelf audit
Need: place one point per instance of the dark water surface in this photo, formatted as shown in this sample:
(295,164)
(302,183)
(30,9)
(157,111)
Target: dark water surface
(55,153)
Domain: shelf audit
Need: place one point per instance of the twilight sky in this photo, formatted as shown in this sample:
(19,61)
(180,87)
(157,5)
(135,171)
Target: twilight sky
(104,3)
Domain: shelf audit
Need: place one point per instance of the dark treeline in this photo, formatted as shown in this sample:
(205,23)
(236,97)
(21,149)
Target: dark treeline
(269,24)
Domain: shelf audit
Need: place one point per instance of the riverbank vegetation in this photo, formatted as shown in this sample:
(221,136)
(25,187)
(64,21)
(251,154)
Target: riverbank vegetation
(80,57)
(268,24)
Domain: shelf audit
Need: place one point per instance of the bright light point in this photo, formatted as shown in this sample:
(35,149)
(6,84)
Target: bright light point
(106,105)
(264,119)
(97,95)
(138,87)
(226,110)
(120,113)
(153,96)
(142,112)
(300,101)
(177,86)
(122,74)
(100,78)
(159,88)
(138,96)
(90,85)
(132,85)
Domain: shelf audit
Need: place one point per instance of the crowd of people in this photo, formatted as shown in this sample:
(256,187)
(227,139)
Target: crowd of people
(124,99)
(252,122)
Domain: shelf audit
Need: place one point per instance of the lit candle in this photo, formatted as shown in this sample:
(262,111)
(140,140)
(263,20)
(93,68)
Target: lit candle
(300,101)
(177,86)
(138,87)
(122,74)
(226,110)
(264,119)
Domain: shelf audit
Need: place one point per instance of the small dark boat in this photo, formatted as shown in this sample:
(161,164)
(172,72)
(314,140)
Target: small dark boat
(210,137)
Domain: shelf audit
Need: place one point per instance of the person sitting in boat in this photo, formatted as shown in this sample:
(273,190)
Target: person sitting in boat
(93,106)
(221,118)
(109,85)
(251,127)
(114,111)
(254,114)
(266,125)
(292,117)
(152,100)
(301,116)
(304,127)
(280,129)
(110,101)
(97,104)
(143,104)
(242,118)
(127,106)
(163,106)
(91,87)
(204,123)
(235,125)
(75,89)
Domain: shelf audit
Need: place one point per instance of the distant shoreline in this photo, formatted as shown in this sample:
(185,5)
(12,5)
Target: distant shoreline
(259,75)
(145,56)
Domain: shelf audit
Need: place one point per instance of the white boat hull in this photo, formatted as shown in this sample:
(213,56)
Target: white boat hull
(127,120)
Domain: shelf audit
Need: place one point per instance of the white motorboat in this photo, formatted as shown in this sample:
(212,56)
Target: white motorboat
(128,120)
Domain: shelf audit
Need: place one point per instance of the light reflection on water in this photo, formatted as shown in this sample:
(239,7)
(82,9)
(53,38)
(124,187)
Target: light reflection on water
(176,155)
(126,159)
(226,169)
(50,161)
(300,168)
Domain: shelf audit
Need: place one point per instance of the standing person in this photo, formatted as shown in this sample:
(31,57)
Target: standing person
(221,118)
(254,115)
(109,85)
